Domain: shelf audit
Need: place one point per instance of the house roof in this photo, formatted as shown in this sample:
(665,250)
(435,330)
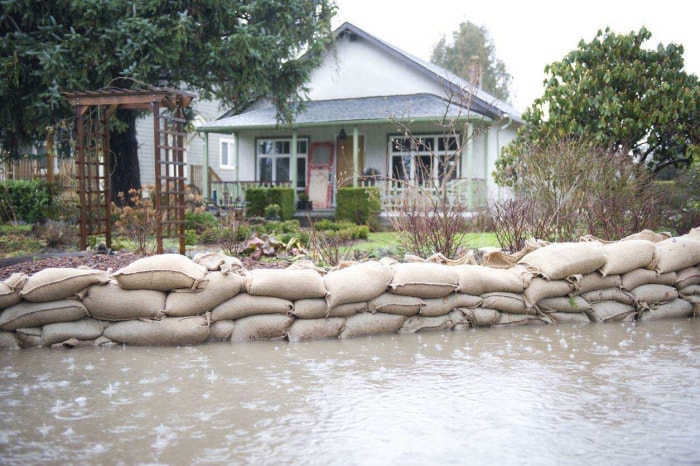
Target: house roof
(414,107)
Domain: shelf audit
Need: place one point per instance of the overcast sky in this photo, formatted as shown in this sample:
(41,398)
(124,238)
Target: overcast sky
(527,34)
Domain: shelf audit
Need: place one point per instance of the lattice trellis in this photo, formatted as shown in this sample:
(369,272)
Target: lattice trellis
(93,110)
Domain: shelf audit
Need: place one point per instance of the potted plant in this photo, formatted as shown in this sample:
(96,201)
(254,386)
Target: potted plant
(304,203)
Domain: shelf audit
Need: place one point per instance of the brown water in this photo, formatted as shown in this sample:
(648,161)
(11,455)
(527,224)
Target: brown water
(593,394)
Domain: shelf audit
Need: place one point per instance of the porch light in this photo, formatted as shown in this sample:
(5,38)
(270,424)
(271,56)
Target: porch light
(342,136)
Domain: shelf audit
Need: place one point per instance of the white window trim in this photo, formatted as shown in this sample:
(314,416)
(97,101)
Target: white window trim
(435,154)
(274,157)
(231,143)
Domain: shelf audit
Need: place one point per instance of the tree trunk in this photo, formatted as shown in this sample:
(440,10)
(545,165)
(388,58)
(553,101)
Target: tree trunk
(124,159)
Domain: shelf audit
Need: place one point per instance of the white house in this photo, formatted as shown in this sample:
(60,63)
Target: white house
(372,106)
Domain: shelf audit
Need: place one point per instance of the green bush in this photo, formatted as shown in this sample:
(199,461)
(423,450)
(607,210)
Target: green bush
(259,198)
(27,200)
(200,221)
(358,205)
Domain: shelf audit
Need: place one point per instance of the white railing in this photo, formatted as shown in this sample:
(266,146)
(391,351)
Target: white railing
(469,193)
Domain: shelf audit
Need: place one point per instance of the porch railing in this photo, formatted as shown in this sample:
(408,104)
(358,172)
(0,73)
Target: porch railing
(470,193)
(232,192)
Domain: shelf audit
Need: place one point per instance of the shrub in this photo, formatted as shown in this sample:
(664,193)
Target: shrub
(57,233)
(358,205)
(259,198)
(137,220)
(199,221)
(27,200)
(272,212)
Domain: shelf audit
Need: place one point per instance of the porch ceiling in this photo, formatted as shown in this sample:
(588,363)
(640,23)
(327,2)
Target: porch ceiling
(382,109)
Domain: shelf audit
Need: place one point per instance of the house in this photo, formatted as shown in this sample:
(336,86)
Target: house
(372,108)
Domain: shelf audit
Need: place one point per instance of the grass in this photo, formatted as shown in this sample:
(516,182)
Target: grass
(17,240)
(388,242)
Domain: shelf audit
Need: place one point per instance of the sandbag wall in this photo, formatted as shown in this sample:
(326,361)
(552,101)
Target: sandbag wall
(172,300)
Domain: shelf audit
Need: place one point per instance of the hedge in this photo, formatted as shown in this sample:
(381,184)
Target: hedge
(359,205)
(26,200)
(259,198)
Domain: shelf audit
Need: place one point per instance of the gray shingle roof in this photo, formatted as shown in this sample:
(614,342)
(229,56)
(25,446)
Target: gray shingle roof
(415,107)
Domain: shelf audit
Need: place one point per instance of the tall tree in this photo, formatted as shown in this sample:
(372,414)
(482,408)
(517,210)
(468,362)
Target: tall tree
(627,98)
(237,51)
(470,41)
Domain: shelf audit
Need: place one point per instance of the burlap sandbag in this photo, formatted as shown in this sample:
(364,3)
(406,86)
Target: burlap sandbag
(357,283)
(315,329)
(569,317)
(26,314)
(609,294)
(513,303)
(111,302)
(558,261)
(676,309)
(687,277)
(690,290)
(29,337)
(261,327)
(595,281)
(396,304)
(75,343)
(540,288)
(435,307)
(518,320)
(625,256)
(612,311)
(285,284)
(55,284)
(317,308)
(10,288)
(653,295)
(416,324)
(482,317)
(84,329)
(677,254)
(573,305)
(635,278)
(371,324)
(244,305)
(164,272)
(216,261)
(476,280)
(8,340)
(647,235)
(170,331)
(423,280)
(221,330)
(222,286)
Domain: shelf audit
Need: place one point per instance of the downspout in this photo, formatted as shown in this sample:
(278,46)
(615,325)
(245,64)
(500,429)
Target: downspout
(293,164)
(205,167)
(498,149)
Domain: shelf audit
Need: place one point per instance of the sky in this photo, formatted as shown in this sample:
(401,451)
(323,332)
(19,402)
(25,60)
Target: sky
(527,34)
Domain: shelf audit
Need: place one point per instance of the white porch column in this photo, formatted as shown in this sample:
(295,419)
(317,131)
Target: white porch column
(205,167)
(293,164)
(470,165)
(355,156)
(237,171)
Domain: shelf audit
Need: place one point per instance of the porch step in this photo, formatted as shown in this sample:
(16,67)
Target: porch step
(316,214)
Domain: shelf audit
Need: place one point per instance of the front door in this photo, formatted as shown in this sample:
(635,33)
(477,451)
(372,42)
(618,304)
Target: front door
(319,182)
(345,168)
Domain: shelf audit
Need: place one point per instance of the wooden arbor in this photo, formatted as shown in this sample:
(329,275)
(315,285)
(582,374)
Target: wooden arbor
(93,112)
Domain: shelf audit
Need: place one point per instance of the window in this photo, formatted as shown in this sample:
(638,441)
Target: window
(274,160)
(227,154)
(417,160)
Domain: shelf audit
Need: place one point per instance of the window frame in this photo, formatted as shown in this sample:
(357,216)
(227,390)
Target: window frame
(417,148)
(230,152)
(275,155)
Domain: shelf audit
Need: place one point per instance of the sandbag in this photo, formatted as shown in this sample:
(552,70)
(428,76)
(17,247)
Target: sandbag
(315,329)
(318,309)
(8,340)
(540,288)
(610,294)
(573,305)
(10,288)
(84,329)
(612,311)
(595,281)
(435,307)
(371,324)
(416,324)
(653,295)
(513,303)
(170,331)
(245,305)
(676,309)
(285,284)
(691,290)
(647,235)
(75,343)
(261,327)
(29,337)
(569,317)
(423,280)
(56,284)
(482,317)
(111,302)
(512,320)
(396,304)
(221,330)
(164,272)
(625,256)
(687,277)
(677,254)
(26,314)
(357,283)
(635,278)
(222,286)
(216,261)
(477,280)
(560,260)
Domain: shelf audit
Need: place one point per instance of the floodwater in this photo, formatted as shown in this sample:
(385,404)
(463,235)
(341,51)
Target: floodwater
(564,394)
